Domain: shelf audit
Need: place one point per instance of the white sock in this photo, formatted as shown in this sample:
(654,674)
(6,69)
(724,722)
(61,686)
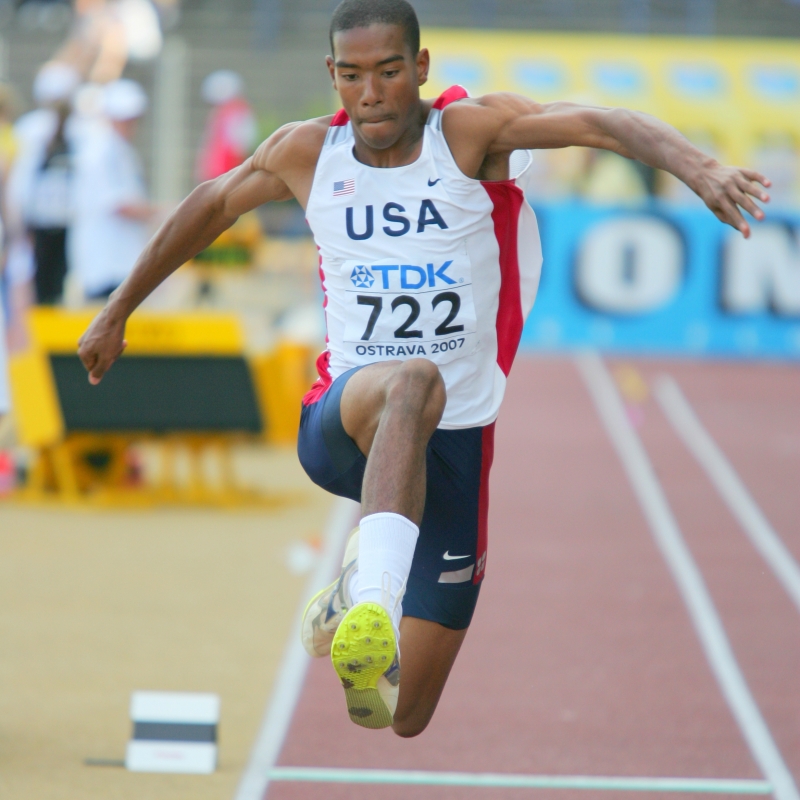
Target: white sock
(385,547)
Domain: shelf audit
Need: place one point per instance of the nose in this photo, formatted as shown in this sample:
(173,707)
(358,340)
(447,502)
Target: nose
(371,95)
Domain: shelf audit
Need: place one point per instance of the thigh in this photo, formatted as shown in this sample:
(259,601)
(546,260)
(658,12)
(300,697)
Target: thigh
(328,455)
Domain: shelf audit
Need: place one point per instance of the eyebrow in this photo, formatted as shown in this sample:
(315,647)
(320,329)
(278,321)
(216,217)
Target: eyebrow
(346,65)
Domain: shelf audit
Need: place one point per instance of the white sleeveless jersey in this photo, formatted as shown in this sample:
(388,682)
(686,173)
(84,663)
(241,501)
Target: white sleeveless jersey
(422,261)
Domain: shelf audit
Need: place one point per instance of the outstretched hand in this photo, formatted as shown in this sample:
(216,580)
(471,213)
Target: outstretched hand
(727,190)
(102,345)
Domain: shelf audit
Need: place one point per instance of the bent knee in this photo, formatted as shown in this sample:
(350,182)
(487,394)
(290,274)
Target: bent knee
(413,717)
(418,380)
(408,729)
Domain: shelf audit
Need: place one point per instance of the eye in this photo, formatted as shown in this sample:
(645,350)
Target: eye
(349,76)
(390,73)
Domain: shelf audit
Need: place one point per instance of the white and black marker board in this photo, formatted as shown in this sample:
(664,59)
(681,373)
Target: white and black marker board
(173,732)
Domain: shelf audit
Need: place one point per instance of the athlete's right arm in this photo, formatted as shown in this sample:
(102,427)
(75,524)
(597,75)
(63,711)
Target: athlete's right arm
(281,168)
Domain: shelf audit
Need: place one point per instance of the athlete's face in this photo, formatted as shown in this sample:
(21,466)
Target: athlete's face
(378,79)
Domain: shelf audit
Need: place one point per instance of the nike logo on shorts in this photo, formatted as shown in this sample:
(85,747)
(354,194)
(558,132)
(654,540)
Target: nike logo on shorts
(448,557)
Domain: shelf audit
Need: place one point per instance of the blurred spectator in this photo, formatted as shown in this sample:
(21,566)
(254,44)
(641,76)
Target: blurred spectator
(5,399)
(112,212)
(231,131)
(8,152)
(106,33)
(8,139)
(39,196)
(8,149)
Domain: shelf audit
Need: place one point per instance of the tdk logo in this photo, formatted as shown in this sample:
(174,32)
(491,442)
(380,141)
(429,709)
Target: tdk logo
(362,278)
(393,214)
(402,276)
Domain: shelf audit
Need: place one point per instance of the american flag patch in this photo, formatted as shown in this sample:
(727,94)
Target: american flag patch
(344,187)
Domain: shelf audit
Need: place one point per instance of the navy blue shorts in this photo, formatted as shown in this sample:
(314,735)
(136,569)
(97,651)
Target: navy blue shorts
(450,558)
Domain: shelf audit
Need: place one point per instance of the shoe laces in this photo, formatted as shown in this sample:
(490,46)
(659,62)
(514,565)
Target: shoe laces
(386,593)
(386,599)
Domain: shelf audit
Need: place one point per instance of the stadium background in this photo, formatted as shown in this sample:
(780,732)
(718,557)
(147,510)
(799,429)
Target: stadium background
(116,578)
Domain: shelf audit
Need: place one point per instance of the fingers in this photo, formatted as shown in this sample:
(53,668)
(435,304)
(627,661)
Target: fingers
(97,365)
(752,175)
(99,369)
(742,199)
(729,213)
(738,190)
(751,187)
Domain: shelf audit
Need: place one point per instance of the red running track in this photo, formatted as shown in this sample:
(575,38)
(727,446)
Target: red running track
(581,659)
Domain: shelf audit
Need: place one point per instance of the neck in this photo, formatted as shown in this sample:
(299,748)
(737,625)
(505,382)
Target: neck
(404,151)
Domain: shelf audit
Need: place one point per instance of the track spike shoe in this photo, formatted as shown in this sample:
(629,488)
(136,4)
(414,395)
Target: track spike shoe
(327,607)
(389,686)
(364,649)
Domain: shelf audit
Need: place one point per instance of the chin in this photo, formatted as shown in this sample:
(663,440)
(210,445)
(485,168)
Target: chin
(379,137)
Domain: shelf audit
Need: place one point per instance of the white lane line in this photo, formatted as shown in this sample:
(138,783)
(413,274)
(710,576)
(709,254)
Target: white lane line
(699,442)
(289,683)
(508,781)
(686,574)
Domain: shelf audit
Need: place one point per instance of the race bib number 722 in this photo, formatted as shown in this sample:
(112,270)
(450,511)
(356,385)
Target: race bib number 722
(396,310)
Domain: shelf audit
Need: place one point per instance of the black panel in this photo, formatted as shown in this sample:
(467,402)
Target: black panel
(174,732)
(159,394)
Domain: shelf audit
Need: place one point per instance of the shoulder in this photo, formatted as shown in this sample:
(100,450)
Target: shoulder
(488,110)
(293,146)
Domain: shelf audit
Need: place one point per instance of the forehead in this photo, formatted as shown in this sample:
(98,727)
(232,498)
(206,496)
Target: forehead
(371,44)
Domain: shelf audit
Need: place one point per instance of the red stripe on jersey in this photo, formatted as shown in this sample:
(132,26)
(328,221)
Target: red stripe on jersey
(340,118)
(323,383)
(450,96)
(487,456)
(507,199)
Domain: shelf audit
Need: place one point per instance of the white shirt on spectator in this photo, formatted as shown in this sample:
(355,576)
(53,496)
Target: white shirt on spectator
(104,245)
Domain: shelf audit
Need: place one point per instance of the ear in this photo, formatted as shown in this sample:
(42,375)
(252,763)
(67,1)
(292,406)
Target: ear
(332,69)
(423,65)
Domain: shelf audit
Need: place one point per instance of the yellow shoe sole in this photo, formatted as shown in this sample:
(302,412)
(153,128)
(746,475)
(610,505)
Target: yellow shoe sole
(363,649)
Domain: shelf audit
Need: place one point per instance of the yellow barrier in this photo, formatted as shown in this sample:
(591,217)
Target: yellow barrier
(55,330)
(83,465)
(283,377)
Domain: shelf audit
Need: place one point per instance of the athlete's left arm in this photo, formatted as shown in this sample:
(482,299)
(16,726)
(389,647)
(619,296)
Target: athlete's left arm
(500,123)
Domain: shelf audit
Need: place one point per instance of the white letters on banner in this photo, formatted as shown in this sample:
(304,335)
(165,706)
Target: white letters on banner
(630,265)
(762,273)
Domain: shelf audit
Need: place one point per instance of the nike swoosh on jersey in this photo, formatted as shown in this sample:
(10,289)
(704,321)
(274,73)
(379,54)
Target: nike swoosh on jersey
(448,557)
(433,183)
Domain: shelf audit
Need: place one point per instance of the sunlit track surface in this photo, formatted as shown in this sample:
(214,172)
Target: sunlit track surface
(582,659)
(753,414)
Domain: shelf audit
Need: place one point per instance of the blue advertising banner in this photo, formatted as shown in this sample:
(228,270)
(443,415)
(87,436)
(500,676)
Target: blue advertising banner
(666,280)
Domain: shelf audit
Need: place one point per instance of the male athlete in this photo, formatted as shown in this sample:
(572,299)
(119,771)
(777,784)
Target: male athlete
(429,259)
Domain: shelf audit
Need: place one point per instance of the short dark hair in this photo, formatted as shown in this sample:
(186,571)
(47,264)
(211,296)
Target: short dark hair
(351,14)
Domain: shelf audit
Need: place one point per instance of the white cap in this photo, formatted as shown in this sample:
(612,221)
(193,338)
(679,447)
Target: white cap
(124,99)
(222,86)
(55,82)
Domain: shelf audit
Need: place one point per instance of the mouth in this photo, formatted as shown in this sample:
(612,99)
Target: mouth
(377,120)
